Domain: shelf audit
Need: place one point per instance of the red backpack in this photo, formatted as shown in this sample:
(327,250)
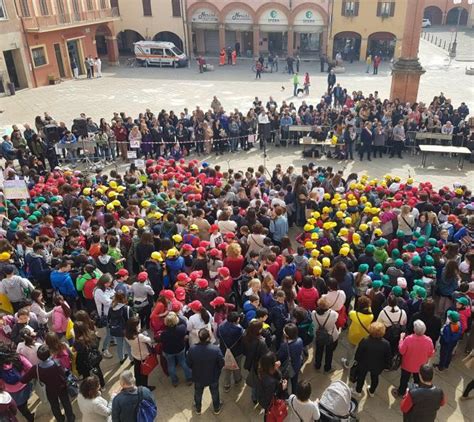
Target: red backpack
(89,287)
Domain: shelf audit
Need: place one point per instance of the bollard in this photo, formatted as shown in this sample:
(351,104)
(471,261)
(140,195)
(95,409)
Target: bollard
(444,45)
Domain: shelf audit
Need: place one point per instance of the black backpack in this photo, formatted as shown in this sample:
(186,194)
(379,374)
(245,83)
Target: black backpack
(393,333)
(118,320)
(323,337)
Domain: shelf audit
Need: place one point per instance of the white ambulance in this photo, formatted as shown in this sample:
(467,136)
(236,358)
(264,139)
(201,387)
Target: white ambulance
(159,53)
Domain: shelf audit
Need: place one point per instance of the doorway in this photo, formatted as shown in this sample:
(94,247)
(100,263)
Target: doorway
(11,69)
(59,60)
(75,55)
(277,42)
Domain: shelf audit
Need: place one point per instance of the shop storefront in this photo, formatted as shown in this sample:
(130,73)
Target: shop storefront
(239,31)
(205,27)
(273,32)
(308,26)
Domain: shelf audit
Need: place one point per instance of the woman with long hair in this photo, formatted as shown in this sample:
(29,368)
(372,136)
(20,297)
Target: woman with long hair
(447,285)
(270,384)
(59,350)
(88,357)
(13,366)
(60,315)
(103,294)
(345,281)
(140,349)
(254,348)
(119,314)
(39,309)
(301,196)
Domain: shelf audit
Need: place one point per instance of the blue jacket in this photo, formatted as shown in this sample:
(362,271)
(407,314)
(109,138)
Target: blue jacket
(230,335)
(279,228)
(279,315)
(174,267)
(448,336)
(206,361)
(63,282)
(295,348)
(287,270)
(250,311)
(7,150)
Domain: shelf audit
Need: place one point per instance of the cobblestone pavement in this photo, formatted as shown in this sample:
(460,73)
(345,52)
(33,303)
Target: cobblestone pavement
(133,90)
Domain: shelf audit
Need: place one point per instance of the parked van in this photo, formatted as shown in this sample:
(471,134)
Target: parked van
(159,53)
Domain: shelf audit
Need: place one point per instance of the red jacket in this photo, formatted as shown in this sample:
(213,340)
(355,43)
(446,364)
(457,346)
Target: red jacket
(224,287)
(307,298)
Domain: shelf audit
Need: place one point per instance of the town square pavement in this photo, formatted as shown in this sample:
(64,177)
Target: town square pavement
(134,89)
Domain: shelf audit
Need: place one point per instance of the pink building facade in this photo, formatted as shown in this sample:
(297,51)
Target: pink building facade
(282,27)
(445,12)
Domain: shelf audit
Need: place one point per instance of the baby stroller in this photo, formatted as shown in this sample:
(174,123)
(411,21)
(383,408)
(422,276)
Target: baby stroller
(337,405)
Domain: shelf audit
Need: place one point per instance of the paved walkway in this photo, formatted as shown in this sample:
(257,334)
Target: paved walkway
(175,404)
(444,36)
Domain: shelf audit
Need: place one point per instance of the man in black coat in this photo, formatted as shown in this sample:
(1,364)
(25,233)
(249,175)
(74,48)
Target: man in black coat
(423,401)
(206,361)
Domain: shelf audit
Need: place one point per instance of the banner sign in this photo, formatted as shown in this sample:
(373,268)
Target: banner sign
(15,189)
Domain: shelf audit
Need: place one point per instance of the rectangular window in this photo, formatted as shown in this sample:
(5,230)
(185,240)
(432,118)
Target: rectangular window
(39,56)
(176,7)
(3,10)
(24,8)
(350,8)
(43,5)
(90,5)
(76,8)
(385,8)
(146,7)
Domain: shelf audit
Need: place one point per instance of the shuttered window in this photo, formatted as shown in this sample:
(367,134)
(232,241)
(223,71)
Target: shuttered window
(176,8)
(146,7)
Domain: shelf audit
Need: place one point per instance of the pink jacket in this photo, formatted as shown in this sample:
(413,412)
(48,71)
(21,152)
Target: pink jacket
(415,351)
(59,320)
(14,388)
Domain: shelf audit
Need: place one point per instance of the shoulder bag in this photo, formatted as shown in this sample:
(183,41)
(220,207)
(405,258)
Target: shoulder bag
(149,363)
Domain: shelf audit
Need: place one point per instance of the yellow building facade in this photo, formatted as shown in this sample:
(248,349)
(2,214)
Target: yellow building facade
(158,20)
(367,27)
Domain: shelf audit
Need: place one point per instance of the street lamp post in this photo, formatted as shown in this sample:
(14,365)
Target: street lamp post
(452,53)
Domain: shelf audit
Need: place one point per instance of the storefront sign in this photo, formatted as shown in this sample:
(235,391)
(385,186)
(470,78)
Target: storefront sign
(204,16)
(238,16)
(273,17)
(308,17)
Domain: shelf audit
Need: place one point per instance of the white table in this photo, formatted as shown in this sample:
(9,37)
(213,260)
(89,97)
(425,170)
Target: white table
(462,151)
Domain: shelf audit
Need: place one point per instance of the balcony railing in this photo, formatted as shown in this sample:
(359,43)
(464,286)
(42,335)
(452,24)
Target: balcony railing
(49,23)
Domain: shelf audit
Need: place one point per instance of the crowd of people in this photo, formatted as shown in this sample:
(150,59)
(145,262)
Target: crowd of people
(181,263)
(361,124)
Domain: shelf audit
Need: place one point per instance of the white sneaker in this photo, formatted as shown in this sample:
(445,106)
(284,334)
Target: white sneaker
(355,394)
(106,354)
(369,393)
